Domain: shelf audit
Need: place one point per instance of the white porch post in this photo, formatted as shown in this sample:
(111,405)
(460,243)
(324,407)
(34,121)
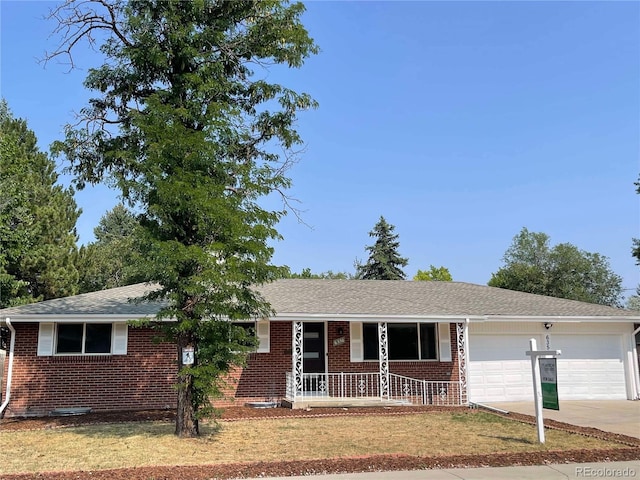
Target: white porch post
(383,359)
(462,334)
(297,358)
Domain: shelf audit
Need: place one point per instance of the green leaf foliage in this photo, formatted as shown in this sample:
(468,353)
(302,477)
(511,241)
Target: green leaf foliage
(329,274)
(37,220)
(384,262)
(114,259)
(532,265)
(187,126)
(633,302)
(434,274)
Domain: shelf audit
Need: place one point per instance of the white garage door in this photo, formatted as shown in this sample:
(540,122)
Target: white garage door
(498,368)
(590,367)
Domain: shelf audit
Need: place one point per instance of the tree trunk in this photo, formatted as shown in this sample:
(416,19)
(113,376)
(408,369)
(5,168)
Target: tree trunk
(186,420)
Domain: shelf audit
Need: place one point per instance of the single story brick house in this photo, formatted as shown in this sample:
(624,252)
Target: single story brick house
(441,343)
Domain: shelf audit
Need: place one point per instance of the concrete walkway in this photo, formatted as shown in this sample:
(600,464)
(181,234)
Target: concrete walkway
(541,472)
(617,416)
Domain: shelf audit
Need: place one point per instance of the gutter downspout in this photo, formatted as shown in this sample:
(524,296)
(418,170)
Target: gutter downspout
(10,368)
(636,363)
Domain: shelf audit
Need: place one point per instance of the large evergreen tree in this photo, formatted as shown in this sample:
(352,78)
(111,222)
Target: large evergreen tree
(114,259)
(532,265)
(384,261)
(37,220)
(188,132)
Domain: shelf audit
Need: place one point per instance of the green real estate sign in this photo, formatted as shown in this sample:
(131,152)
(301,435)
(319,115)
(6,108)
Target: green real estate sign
(549,382)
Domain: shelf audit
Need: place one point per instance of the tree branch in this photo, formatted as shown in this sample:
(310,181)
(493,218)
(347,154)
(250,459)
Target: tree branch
(80,20)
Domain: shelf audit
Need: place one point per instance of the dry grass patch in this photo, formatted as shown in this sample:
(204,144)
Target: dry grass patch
(127,445)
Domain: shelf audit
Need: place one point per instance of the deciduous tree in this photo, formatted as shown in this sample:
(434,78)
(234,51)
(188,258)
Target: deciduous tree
(441,274)
(37,220)
(532,265)
(633,302)
(384,261)
(329,274)
(187,126)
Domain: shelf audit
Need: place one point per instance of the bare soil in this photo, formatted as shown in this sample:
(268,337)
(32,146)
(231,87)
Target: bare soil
(629,448)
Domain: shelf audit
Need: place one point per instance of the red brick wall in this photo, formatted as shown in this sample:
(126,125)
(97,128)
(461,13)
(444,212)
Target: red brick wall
(142,379)
(264,376)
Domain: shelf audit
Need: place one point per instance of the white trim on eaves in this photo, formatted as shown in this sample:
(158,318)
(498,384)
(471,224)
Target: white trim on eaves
(75,318)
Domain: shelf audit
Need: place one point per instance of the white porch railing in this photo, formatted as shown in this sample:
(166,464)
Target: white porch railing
(424,392)
(367,385)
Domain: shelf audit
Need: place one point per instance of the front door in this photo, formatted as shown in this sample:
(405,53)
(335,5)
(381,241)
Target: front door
(313,359)
(313,348)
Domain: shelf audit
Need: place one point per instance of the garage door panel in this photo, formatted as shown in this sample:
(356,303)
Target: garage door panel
(590,367)
(494,380)
(499,368)
(588,347)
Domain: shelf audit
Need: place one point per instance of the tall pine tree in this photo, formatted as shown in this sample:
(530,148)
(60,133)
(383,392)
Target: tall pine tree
(114,259)
(384,261)
(188,131)
(37,220)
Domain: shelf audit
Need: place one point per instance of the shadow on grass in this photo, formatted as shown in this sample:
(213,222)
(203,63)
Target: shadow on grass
(480,417)
(509,439)
(122,431)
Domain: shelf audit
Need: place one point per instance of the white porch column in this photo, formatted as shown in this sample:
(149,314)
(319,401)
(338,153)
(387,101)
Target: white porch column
(297,358)
(383,359)
(462,334)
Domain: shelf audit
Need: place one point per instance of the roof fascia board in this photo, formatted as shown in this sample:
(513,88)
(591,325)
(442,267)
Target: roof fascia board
(311,317)
(74,318)
(561,318)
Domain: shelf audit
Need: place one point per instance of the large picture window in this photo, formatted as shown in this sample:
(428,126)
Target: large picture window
(406,341)
(83,338)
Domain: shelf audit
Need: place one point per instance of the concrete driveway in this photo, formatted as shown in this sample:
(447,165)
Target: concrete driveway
(617,416)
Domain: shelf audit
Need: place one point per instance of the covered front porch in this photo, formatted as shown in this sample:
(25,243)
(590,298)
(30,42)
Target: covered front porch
(324,375)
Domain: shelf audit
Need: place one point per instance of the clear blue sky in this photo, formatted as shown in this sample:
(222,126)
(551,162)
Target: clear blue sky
(459,122)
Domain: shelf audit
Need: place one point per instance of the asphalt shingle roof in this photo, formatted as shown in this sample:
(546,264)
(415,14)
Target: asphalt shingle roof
(348,297)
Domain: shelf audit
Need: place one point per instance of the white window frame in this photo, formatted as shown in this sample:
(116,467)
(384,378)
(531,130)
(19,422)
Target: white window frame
(436,340)
(48,339)
(262,331)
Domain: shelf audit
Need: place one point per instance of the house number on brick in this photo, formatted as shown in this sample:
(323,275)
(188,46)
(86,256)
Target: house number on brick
(187,356)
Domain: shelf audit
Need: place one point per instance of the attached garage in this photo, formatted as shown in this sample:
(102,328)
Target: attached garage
(591,367)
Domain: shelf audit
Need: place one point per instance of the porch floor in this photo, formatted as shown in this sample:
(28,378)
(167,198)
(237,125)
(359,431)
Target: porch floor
(337,402)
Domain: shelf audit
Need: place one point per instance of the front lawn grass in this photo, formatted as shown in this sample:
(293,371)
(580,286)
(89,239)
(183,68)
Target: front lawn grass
(97,447)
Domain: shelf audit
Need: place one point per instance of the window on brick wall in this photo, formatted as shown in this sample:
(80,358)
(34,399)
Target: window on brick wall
(4,338)
(249,331)
(83,338)
(259,330)
(406,341)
